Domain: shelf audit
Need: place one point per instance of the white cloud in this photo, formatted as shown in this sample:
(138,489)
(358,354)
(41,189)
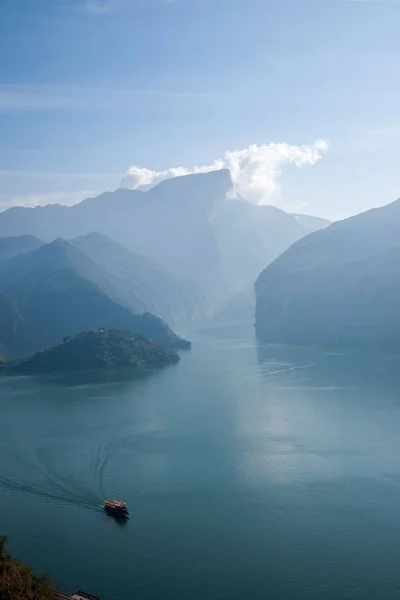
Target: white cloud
(255,170)
(143,178)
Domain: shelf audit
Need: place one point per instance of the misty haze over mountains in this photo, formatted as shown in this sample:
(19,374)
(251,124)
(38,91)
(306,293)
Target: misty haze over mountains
(185,230)
(183,251)
(188,253)
(190,322)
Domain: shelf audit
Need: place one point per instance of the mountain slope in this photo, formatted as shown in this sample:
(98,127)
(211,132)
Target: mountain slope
(185,224)
(140,284)
(13,246)
(310,222)
(249,237)
(57,291)
(338,286)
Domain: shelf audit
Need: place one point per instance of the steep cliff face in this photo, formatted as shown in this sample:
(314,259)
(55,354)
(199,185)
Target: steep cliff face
(338,286)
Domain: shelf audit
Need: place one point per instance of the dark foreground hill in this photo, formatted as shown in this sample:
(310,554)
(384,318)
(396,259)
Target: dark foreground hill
(97,349)
(57,291)
(19,582)
(339,286)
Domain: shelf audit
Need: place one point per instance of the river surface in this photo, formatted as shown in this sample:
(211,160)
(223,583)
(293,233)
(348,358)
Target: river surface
(250,472)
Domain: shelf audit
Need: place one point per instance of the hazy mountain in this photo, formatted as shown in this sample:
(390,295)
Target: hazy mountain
(140,284)
(238,309)
(312,223)
(338,286)
(185,224)
(13,246)
(169,224)
(249,237)
(57,291)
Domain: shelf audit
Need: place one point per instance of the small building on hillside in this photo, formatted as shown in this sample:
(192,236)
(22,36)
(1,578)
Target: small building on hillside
(77,596)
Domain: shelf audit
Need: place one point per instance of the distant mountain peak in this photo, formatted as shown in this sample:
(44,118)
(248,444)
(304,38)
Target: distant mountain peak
(219,177)
(59,245)
(60,242)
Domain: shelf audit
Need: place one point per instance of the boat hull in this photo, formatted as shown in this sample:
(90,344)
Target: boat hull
(117,514)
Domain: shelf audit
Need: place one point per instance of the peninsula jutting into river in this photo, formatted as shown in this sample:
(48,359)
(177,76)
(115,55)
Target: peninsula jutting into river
(96,349)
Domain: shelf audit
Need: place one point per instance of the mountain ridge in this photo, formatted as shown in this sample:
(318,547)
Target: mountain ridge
(141,284)
(189,226)
(338,286)
(57,291)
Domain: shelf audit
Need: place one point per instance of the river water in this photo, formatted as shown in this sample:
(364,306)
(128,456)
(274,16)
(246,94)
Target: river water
(250,472)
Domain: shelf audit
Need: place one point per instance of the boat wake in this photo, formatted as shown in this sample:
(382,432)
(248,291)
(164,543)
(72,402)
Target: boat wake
(50,473)
(30,490)
(101,460)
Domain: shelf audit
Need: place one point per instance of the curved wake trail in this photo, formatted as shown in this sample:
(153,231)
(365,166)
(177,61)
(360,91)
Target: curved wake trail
(53,477)
(15,486)
(104,456)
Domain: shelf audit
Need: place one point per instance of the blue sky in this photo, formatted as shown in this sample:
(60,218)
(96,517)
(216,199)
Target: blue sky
(90,88)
